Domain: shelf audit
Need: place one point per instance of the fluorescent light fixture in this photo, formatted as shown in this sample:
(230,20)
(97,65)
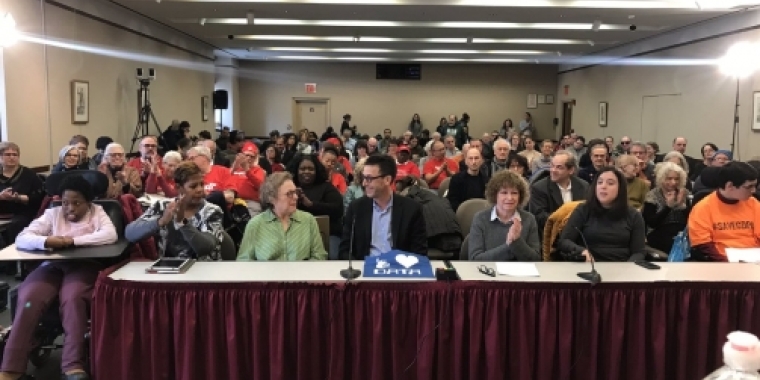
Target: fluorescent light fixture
(8,32)
(263,37)
(323,58)
(420,24)
(741,60)
(424,51)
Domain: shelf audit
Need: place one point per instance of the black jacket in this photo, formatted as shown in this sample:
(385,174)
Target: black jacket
(326,200)
(407,227)
(545,198)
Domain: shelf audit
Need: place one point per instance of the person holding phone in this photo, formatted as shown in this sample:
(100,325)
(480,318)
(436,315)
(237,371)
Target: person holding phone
(187,227)
(77,222)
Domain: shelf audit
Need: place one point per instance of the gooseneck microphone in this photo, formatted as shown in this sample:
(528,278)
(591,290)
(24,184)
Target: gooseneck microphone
(593,277)
(350,273)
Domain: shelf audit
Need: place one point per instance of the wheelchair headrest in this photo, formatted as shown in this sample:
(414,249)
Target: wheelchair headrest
(97,180)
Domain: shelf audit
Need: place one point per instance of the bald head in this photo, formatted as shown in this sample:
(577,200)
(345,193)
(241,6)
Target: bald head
(437,149)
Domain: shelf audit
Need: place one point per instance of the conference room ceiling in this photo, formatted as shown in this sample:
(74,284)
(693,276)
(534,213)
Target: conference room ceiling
(534,31)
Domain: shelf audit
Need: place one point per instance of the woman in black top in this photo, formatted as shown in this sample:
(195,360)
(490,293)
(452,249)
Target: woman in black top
(667,206)
(613,230)
(316,195)
(21,191)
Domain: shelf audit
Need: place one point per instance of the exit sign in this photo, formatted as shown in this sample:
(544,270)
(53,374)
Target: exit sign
(311,88)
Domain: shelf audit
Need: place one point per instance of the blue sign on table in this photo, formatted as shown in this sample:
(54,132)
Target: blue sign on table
(398,264)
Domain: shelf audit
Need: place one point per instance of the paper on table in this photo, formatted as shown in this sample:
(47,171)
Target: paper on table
(750,255)
(517,269)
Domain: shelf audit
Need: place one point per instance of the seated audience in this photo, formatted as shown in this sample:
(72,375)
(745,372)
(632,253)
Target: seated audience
(69,158)
(161,179)
(415,148)
(468,184)
(451,148)
(356,188)
(679,159)
(21,191)
(247,177)
(530,153)
(392,148)
(599,155)
(562,186)
(215,177)
(184,145)
(652,151)
(281,232)
(501,153)
(100,144)
(83,144)
(505,232)
(382,221)
(727,218)
(515,144)
(519,165)
(317,195)
(273,160)
(217,158)
(361,151)
(645,170)
(77,223)
(637,189)
(544,161)
(404,166)
(719,159)
(708,150)
(187,226)
(578,149)
(148,157)
(122,179)
(613,230)
(438,167)
(667,206)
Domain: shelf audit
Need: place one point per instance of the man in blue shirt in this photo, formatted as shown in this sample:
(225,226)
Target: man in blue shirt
(382,221)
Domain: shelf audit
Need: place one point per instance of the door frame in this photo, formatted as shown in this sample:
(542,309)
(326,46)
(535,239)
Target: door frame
(296,116)
(567,123)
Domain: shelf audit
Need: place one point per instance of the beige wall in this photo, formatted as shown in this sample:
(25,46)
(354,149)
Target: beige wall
(33,79)
(489,93)
(661,102)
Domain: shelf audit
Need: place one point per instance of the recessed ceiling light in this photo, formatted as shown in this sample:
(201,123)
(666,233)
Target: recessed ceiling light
(423,51)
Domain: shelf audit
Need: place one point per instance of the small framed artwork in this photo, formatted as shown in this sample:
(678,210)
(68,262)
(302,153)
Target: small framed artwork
(549,99)
(205,107)
(532,101)
(542,99)
(756,111)
(603,114)
(80,102)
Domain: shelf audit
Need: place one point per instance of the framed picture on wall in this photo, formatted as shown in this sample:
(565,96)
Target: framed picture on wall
(602,114)
(205,107)
(549,99)
(532,101)
(541,99)
(80,102)
(756,111)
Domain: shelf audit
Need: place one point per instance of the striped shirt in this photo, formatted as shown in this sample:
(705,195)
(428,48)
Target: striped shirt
(265,239)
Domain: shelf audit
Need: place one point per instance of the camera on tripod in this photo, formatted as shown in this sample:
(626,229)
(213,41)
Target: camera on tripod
(141,74)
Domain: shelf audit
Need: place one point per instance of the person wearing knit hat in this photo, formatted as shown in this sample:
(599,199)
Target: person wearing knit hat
(247,177)
(721,158)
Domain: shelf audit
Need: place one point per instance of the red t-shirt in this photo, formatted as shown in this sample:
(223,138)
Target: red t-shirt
(137,163)
(337,180)
(247,183)
(432,165)
(406,169)
(216,179)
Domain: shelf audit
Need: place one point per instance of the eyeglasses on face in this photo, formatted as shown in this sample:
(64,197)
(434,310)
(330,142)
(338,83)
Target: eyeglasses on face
(290,194)
(149,145)
(116,155)
(72,155)
(625,142)
(10,154)
(369,178)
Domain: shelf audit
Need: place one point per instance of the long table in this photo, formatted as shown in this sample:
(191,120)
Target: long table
(300,320)
(12,253)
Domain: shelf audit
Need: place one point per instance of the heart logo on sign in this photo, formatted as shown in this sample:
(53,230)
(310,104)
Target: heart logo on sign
(406,261)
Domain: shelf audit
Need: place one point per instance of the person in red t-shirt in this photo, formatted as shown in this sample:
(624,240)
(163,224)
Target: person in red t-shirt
(329,157)
(404,167)
(215,177)
(148,157)
(438,167)
(247,177)
(342,159)
(161,181)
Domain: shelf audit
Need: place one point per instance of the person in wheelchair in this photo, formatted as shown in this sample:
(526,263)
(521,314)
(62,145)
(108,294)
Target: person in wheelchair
(77,222)
(188,226)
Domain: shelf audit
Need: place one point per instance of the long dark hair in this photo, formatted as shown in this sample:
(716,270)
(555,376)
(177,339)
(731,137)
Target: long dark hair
(619,207)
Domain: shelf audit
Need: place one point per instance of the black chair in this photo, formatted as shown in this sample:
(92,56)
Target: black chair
(50,326)
(97,180)
(228,250)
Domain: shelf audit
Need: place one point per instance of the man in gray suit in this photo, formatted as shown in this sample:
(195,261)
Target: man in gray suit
(562,186)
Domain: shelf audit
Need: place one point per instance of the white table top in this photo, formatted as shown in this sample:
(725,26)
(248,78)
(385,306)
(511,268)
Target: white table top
(10,253)
(329,271)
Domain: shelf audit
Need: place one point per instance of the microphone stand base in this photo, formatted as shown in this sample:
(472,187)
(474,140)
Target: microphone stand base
(592,277)
(350,273)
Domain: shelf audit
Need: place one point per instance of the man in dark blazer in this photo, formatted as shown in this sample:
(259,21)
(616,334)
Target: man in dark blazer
(381,220)
(562,186)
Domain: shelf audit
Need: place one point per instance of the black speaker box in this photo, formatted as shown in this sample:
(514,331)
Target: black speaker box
(220,100)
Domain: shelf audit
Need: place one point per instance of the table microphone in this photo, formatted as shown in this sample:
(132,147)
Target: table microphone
(351,273)
(593,277)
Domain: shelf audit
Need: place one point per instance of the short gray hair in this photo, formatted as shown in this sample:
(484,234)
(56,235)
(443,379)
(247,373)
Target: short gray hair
(5,145)
(271,186)
(640,145)
(684,164)
(200,151)
(66,149)
(172,155)
(112,146)
(664,168)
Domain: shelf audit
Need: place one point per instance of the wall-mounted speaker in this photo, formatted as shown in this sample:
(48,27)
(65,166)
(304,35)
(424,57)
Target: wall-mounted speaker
(221,100)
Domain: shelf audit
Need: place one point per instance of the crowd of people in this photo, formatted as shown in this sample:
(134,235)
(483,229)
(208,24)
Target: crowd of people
(584,200)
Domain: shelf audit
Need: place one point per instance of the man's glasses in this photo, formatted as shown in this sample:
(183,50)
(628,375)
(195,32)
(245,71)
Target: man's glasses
(369,178)
(625,142)
(115,154)
(149,145)
(486,270)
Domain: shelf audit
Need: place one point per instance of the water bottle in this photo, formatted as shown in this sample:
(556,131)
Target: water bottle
(741,355)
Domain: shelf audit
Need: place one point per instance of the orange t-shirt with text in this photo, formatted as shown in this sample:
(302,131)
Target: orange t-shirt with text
(726,225)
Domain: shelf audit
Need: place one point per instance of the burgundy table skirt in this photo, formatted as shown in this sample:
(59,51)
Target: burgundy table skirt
(383,331)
